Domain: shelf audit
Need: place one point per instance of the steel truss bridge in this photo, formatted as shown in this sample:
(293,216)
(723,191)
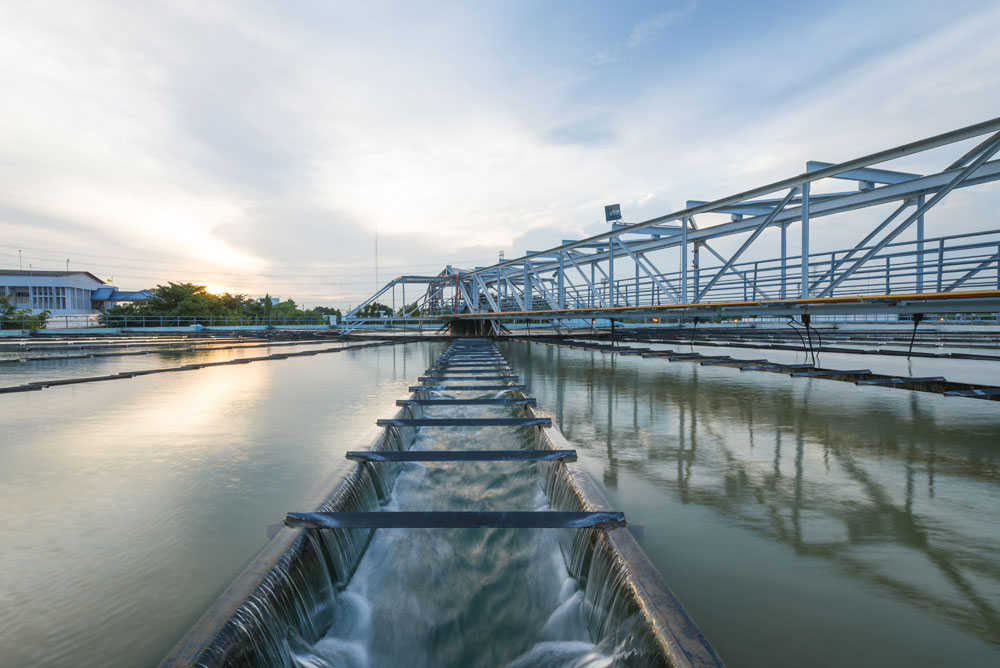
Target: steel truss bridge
(670,266)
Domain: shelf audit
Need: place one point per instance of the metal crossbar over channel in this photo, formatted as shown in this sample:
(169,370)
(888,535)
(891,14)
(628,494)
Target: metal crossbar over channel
(464,456)
(465,422)
(477,388)
(466,402)
(458,520)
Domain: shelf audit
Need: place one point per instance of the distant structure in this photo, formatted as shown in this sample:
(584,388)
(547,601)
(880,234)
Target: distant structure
(63,292)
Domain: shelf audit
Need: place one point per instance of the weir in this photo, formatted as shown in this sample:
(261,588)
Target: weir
(523,597)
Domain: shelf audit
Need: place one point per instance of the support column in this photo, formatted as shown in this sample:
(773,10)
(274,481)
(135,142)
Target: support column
(527,288)
(593,285)
(636,283)
(696,267)
(920,247)
(684,253)
(499,292)
(784,260)
(805,241)
(561,298)
(611,271)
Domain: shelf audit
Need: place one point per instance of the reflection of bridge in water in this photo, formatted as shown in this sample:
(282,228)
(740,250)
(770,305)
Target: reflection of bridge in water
(673,265)
(776,462)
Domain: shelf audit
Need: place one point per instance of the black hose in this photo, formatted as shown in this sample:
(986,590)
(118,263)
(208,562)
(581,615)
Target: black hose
(819,346)
(917,317)
(792,320)
(806,322)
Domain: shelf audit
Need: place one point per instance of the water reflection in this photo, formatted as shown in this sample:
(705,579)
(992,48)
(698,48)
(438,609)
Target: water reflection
(126,507)
(894,490)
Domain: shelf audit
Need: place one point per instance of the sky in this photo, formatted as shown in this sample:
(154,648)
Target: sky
(263,147)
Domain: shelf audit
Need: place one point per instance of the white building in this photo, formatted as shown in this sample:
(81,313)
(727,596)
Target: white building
(63,292)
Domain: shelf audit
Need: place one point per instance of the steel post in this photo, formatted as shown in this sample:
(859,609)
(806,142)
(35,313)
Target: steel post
(784,260)
(527,288)
(636,282)
(593,286)
(696,265)
(684,249)
(804,293)
(561,286)
(611,271)
(920,247)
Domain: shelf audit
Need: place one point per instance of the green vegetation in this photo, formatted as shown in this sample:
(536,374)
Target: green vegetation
(374,310)
(193,304)
(409,309)
(12,317)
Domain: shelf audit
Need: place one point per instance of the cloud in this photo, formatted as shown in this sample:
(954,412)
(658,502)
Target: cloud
(650,28)
(587,132)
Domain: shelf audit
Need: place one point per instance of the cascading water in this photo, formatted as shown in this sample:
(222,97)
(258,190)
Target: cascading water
(526,598)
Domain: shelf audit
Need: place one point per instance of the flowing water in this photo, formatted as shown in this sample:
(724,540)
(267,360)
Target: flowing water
(471,597)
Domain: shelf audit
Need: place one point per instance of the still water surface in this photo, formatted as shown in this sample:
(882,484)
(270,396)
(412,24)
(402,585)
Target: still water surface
(53,368)
(127,506)
(802,522)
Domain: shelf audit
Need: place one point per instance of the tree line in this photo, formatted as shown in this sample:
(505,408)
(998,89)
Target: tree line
(188,300)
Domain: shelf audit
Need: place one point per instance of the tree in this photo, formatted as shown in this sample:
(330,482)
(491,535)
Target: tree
(375,310)
(409,309)
(12,317)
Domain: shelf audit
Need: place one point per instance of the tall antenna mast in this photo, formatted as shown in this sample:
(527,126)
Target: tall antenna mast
(377,284)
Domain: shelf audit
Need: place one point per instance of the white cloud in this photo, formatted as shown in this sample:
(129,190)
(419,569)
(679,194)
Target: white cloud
(650,28)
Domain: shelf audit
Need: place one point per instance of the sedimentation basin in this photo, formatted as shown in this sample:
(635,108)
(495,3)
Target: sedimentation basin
(800,521)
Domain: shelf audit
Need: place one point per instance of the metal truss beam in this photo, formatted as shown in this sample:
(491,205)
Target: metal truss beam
(746,244)
(990,148)
(752,211)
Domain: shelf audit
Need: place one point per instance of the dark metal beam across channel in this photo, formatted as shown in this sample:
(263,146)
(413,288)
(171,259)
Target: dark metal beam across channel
(465,422)
(478,388)
(832,372)
(463,456)
(457,520)
(468,372)
(471,358)
(488,361)
(901,380)
(462,355)
(973,393)
(467,402)
(447,371)
(503,371)
(464,378)
(479,363)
